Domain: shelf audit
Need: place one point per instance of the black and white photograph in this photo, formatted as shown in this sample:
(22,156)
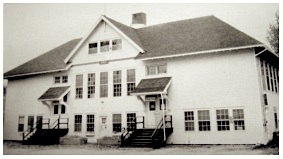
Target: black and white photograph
(104,78)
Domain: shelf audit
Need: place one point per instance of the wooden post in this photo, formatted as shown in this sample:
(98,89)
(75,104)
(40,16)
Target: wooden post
(171,121)
(143,122)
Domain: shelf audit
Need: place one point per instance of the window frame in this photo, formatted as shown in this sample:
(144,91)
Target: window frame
(102,47)
(222,120)
(65,79)
(237,121)
(78,123)
(90,123)
(103,85)
(91,49)
(156,69)
(21,123)
(189,119)
(117,123)
(117,83)
(131,81)
(79,86)
(56,78)
(91,85)
(112,46)
(206,123)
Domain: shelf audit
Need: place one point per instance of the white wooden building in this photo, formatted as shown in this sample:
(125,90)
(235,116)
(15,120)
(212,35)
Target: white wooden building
(219,85)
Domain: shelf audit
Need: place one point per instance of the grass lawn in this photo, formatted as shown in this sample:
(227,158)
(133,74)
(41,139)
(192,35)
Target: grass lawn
(93,149)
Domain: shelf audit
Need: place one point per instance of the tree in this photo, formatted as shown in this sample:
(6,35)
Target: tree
(273,34)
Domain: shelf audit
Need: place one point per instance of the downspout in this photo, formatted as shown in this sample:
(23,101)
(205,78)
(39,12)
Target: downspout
(162,105)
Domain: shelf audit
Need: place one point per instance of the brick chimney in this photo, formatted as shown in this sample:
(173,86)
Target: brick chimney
(138,20)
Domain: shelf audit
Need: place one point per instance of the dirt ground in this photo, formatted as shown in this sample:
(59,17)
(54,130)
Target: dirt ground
(92,149)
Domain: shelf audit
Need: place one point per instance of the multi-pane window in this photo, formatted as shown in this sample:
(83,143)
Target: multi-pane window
(223,122)
(117,85)
(57,79)
(104,46)
(78,123)
(267,75)
(275,118)
(64,79)
(263,75)
(104,84)
(92,48)
(189,121)
(161,68)
(203,120)
(90,123)
(156,69)
(271,77)
(56,108)
(21,122)
(151,70)
(79,86)
(91,85)
(117,123)
(131,81)
(238,117)
(116,44)
(131,121)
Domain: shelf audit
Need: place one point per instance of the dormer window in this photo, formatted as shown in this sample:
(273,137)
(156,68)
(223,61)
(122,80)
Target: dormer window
(116,44)
(104,46)
(57,79)
(92,48)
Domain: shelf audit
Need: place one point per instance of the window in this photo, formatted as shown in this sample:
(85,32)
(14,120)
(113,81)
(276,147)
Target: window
(131,121)
(238,116)
(117,123)
(117,86)
(160,103)
(271,77)
(223,123)
(78,123)
(274,79)
(151,70)
(64,79)
(57,79)
(63,109)
(156,69)
(56,108)
(104,46)
(152,106)
(161,68)
(267,75)
(275,118)
(203,120)
(103,84)
(30,122)
(92,48)
(131,81)
(116,44)
(21,122)
(189,121)
(79,86)
(90,123)
(263,75)
(91,85)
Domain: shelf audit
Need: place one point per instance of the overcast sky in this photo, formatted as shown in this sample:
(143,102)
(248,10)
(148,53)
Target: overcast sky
(33,29)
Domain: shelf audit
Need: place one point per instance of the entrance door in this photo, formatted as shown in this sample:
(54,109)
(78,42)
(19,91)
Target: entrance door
(151,114)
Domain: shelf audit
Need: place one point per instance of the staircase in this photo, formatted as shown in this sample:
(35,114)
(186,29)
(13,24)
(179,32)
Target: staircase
(148,137)
(46,136)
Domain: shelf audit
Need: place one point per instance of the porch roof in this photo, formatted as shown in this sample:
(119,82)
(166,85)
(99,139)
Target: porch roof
(152,86)
(54,93)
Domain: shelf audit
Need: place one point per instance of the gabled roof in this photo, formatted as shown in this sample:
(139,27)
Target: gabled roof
(152,86)
(189,36)
(54,93)
(186,37)
(52,60)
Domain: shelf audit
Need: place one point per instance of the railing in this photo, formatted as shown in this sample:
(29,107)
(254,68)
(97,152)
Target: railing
(57,124)
(39,125)
(158,129)
(126,132)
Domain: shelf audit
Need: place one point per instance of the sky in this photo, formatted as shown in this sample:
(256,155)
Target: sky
(30,30)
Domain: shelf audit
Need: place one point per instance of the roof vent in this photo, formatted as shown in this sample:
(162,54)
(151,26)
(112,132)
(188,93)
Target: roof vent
(138,20)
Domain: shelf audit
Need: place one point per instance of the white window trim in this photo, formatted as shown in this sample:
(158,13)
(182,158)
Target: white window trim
(110,45)
(156,69)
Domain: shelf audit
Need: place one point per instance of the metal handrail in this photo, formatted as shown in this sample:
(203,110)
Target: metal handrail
(134,120)
(159,127)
